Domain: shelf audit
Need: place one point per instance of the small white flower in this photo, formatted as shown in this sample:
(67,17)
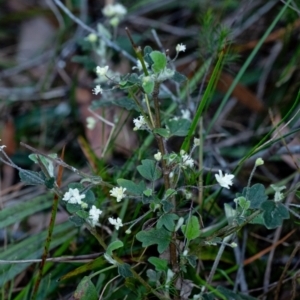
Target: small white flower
(187,161)
(118,192)
(196,142)
(157,156)
(73,196)
(171,175)
(101,71)
(185,252)
(2,147)
(91,122)
(116,222)
(94,214)
(139,123)
(111,10)
(186,114)
(180,48)
(278,195)
(224,180)
(97,90)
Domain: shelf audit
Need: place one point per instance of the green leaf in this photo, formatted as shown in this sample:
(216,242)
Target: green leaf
(113,246)
(147,58)
(148,192)
(256,195)
(76,220)
(274,214)
(230,213)
(243,203)
(159,61)
(179,78)
(167,206)
(162,132)
(86,290)
(192,259)
(48,163)
(49,183)
(124,270)
(73,208)
(148,85)
(134,78)
(89,198)
(192,229)
(152,275)
(161,237)
(228,294)
(159,263)
(167,220)
(31,177)
(131,187)
(258,220)
(82,214)
(149,170)
(179,127)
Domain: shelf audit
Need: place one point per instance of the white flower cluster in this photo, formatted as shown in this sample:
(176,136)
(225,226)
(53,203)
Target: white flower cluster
(73,196)
(139,123)
(224,180)
(97,90)
(115,12)
(101,71)
(180,48)
(187,161)
(118,192)
(94,214)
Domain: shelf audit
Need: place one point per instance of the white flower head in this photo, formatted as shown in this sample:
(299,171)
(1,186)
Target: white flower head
(278,195)
(97,90)
(91,122)
(186,114)
(73,196)
(196,142)
(101,71)
(158,156)
(118,192)
(116,222)
(94,214)
(187,161)
(180,48)
(139,123)
(112,10)
(224,180)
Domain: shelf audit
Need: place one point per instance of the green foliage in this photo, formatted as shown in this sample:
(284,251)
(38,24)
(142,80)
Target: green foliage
(192,228)
(256,195)
(161,237)
(159,61)
(159,264)
(168,221)
(274,214)
(131,187)
(86,290)
(149,170)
